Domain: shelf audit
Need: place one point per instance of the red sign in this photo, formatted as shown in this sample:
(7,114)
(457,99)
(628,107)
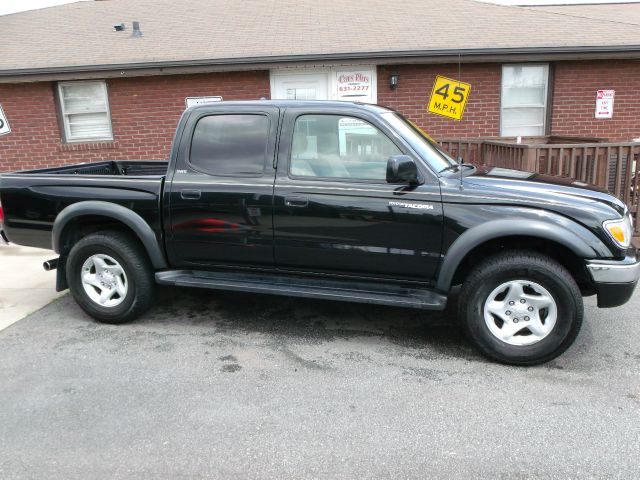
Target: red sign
(354,86)
(604,103)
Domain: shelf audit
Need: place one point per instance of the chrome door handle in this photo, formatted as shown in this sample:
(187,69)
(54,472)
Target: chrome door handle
(296,201)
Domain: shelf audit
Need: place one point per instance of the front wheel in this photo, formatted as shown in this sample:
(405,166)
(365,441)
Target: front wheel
(110,276)
(521,308)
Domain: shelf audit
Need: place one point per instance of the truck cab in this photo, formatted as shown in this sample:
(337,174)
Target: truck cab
(314,197)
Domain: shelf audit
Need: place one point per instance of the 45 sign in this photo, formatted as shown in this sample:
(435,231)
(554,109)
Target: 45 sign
(449,97)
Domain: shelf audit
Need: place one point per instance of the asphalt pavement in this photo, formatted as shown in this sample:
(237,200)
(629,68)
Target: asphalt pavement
(242,386)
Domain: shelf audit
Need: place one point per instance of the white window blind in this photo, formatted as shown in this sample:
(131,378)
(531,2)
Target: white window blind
(301,94)
(524,100)
(85,111)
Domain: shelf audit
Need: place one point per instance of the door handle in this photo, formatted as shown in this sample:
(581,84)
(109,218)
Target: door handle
(190,194)
(296,201)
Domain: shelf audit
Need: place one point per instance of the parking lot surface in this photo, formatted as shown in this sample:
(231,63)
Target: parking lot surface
(221,385)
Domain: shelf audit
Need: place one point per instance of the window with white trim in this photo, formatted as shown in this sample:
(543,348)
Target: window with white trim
(84,108)
(524,100)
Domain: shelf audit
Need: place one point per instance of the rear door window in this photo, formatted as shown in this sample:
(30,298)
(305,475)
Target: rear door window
(230,145)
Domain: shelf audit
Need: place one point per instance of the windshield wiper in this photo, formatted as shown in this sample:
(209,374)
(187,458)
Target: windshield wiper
(457,165)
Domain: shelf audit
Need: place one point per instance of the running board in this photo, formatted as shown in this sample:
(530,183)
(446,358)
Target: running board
(341,290)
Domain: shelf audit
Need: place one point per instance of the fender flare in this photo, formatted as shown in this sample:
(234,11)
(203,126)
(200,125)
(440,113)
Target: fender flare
(557,229)
(112,210)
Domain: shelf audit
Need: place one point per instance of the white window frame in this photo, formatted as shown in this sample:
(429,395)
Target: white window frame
(545,104)
(68,137)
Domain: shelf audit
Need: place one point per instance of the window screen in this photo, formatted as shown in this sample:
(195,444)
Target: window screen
(85,111)
(524,100)
(333,146)
(230,144)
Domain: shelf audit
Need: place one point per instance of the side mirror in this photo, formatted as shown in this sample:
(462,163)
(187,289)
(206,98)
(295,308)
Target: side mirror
(401,169)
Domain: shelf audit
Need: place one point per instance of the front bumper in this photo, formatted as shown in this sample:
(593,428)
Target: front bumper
(614,280)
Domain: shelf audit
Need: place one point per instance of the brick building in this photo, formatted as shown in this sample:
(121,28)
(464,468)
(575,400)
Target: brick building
(75,88)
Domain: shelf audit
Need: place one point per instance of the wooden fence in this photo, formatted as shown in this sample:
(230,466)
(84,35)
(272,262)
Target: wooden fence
(612,166)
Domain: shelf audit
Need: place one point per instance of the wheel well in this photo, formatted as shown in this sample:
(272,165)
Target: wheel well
(84,225)
(563,255)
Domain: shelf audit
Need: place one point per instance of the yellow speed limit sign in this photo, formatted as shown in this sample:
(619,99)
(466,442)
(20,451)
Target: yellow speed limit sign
(449,97)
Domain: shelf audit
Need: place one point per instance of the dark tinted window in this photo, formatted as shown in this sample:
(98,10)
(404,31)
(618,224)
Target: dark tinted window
(230,144)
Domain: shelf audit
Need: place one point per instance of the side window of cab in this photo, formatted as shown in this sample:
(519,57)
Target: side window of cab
(230,145)
(339,147)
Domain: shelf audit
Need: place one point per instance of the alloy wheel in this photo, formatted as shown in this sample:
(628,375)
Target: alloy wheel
(104,280)
(520,312)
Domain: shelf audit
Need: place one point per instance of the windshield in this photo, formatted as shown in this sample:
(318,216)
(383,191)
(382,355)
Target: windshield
(424,145)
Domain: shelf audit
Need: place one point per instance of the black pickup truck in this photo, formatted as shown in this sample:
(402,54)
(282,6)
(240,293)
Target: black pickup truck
(330,200)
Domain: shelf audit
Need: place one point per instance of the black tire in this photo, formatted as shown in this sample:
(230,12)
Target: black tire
(128,252)
(532,267)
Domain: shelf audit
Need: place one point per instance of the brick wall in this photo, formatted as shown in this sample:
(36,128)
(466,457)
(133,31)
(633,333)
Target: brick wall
(31,113)
(574,99)
(145,110)
(144,114)
(573,103)
(482,113)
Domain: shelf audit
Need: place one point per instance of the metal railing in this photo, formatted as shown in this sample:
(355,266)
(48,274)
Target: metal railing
(612,166)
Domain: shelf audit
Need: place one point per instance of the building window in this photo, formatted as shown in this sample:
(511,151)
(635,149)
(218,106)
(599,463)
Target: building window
(524,100)
(230,145)
(84,109)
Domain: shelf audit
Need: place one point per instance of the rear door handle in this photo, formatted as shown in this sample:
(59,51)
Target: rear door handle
(190,194)
(296,201)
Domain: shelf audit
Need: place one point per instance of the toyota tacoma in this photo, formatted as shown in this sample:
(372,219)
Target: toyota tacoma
(330,200)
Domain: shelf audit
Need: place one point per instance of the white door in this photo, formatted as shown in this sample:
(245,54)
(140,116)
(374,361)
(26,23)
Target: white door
(300,86)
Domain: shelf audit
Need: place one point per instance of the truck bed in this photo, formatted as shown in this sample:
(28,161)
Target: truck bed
(31,199)
(127,167)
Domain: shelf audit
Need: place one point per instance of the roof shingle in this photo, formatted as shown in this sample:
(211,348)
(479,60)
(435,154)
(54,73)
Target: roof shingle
(80,34)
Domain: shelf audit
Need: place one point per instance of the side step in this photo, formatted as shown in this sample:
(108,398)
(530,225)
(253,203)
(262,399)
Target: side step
(346,291)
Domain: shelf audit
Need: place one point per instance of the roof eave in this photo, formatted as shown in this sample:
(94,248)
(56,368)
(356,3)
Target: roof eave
(543,53)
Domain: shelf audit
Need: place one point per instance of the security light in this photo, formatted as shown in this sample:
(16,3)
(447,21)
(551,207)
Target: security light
(393,81)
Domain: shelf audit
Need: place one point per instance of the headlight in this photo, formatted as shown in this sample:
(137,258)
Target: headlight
(620,230)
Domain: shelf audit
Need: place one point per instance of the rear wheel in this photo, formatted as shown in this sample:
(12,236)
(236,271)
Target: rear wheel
(521,308)
(110,276)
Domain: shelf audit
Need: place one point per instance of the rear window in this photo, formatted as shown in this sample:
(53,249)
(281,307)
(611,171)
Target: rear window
(230,145)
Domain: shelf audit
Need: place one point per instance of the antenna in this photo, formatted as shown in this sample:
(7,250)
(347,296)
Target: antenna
(460,156)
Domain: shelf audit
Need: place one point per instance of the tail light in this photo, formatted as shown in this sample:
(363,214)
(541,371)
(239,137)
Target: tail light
(1,215)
